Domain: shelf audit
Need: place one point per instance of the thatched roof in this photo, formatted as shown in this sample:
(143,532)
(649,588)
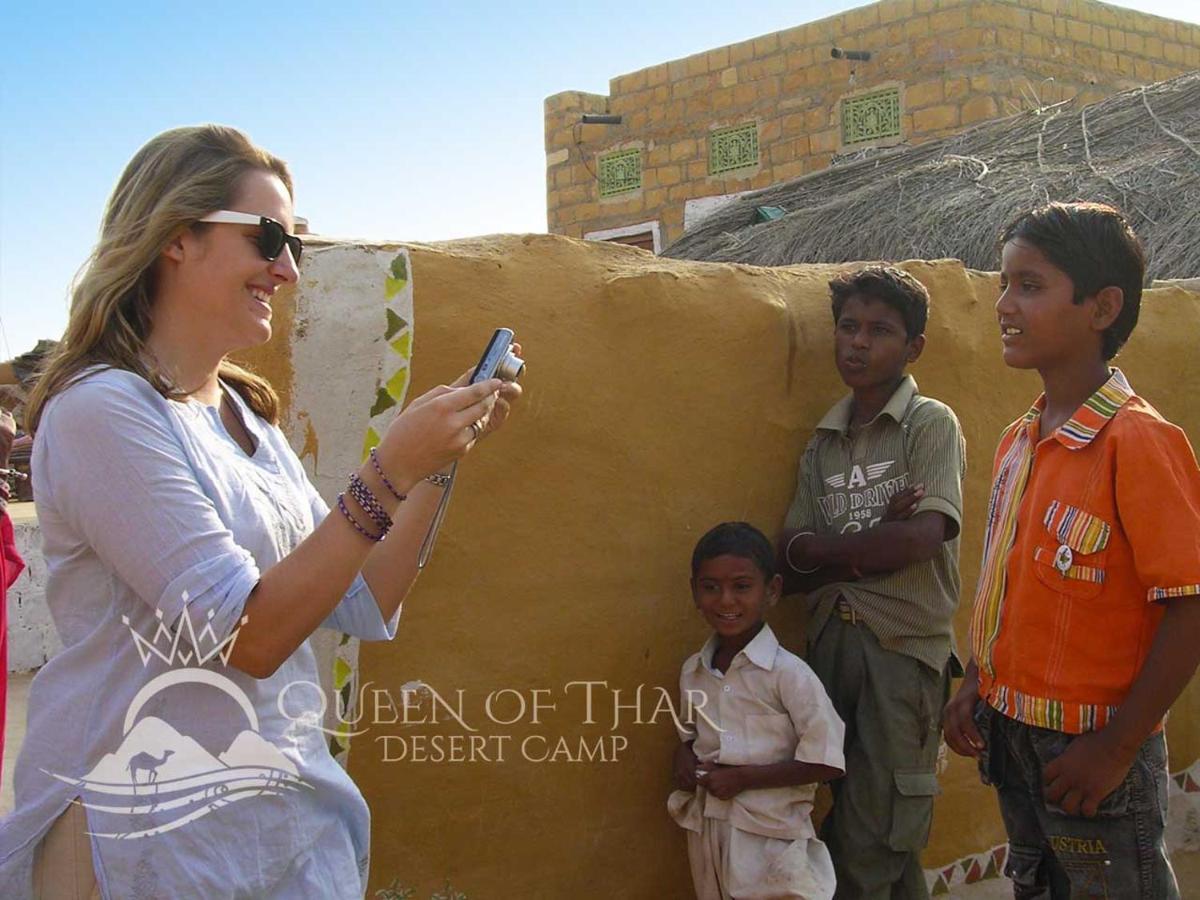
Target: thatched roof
(1138,150)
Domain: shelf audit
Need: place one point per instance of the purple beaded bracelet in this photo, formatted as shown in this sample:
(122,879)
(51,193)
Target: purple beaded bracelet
(387,484)
(369,503)
(341,502)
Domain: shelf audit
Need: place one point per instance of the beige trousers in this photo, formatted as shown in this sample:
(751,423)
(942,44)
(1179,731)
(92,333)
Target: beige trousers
(62,863)
(730,864)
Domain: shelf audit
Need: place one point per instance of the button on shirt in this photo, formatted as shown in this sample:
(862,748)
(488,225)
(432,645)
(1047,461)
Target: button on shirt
(769,707)
(1088,530)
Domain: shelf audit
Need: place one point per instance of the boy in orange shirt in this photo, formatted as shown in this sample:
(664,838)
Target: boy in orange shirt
(1086,626)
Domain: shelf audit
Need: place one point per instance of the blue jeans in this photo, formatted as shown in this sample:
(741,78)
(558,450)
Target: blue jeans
(1119,853)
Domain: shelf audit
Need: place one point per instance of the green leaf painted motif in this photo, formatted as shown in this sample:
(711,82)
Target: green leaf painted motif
(397,383)
(400,267)
(383,402)
(403,345)
(395,324)
(370,440)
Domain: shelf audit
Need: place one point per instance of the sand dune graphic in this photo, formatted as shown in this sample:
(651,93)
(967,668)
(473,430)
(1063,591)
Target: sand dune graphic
(158,770)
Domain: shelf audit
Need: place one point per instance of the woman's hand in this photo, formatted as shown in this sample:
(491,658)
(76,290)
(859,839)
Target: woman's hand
(510,392)
(435,430)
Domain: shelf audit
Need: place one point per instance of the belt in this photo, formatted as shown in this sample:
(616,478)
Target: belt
(845,611)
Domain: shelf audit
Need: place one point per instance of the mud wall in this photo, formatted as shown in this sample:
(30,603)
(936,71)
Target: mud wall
(661,398)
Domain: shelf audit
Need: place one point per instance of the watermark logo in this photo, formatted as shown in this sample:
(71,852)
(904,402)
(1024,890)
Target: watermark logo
(160,778)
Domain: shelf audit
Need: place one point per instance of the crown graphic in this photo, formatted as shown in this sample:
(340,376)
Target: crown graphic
(166,642)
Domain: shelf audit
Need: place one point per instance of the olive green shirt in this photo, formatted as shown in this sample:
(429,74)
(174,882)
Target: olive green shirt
(844,486)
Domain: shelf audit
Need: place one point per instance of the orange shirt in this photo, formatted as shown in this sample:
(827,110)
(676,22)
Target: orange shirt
(1087,531)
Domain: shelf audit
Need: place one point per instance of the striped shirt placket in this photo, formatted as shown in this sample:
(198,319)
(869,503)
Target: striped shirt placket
(1011,478)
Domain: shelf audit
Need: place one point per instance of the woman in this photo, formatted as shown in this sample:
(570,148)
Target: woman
(172,508)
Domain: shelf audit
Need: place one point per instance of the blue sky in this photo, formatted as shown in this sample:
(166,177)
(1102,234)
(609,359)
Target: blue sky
(409,121)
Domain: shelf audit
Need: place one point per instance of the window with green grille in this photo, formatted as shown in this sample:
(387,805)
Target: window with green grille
(620,172)
(871,117)
(732,148)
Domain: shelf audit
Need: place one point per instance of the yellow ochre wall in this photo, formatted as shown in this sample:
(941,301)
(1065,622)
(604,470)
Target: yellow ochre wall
(661,398)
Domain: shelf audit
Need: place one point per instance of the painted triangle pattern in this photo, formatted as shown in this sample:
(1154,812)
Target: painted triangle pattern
(391,389)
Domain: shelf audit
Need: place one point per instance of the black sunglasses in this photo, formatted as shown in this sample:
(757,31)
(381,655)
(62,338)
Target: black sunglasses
(272,237)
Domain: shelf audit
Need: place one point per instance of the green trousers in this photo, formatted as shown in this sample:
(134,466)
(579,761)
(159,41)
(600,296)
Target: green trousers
(882,808)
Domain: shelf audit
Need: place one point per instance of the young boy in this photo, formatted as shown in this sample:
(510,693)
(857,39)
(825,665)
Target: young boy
(872,538)
(1086,626)
(759,734)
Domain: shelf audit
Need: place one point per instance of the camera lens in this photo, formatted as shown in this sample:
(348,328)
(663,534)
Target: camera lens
(510,367)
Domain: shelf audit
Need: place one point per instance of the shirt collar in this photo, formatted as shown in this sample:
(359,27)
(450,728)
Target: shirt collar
(1096,412)
(761,651)
(838,418)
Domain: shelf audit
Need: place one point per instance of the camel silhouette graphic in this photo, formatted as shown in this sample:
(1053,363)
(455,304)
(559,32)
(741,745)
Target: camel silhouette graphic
(148,762)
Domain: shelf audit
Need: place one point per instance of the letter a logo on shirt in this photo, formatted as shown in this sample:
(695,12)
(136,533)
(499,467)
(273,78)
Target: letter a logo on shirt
(857,478)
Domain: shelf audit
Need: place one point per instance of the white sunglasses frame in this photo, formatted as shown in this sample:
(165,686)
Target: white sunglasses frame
(232,217)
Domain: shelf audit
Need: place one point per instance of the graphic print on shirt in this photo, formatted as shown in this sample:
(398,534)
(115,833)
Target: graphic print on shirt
(858,497)
(159,770)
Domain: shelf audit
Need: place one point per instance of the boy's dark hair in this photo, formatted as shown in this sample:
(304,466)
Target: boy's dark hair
(736,539)
(890,285)
(1096,248)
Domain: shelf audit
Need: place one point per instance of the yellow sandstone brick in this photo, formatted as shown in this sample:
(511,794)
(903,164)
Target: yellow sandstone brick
(956,88)
(718,59)
(740,53)
(948,20)
(1165,29)
(1154,47)
(824,141)
(1135,44)
(925,93)
(1116,39)
(766,45)
(788,171)
(1100,37)
(935,117)
(685,149)
(744,95)
(668,175)
(1042,23)
(722,100)
(895,10)
(918,27)
(1079,31)
(977,109)
(729,77)
(1008,39)
(658,75)
(861,19)
(1173,53)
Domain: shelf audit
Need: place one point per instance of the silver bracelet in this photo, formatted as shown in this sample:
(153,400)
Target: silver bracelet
(787,554)
(438,479)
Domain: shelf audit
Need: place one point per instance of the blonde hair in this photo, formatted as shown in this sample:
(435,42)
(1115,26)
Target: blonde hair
(176,179)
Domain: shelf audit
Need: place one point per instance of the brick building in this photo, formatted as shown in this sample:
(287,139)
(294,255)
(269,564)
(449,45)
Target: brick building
(741,117)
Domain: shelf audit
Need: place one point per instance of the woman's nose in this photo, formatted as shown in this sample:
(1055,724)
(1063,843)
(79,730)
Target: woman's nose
(284,267)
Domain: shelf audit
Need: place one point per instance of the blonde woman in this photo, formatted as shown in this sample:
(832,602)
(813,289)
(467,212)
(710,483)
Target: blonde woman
(171,504)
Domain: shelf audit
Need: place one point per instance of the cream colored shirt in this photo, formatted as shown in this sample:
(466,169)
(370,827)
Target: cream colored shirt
(769,707)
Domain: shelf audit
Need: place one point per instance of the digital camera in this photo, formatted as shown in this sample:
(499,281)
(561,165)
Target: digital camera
(498,360)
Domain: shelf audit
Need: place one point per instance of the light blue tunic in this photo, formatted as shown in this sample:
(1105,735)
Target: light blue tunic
(148,504)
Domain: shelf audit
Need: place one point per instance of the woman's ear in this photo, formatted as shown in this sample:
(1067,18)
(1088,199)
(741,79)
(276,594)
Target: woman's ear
(174,250)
